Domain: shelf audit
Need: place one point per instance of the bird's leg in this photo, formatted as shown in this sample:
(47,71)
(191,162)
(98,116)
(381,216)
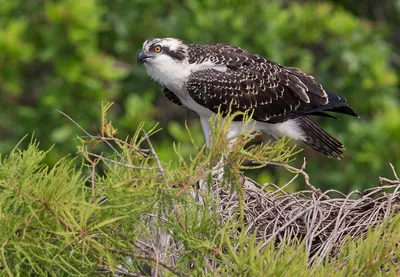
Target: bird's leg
(218,169)
(205,126)
(231,136)
(236,129)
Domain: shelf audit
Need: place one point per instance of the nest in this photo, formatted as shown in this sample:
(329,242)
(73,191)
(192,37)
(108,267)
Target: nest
(322,220)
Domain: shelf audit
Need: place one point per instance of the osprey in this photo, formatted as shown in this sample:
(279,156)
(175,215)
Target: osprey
(206,78)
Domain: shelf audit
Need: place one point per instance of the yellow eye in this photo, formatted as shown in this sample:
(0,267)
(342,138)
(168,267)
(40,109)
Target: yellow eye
(157,49)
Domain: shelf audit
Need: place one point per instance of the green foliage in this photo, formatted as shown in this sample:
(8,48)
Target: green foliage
(70,55)
(57,222)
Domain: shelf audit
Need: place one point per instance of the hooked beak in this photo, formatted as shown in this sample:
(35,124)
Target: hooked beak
(142,57)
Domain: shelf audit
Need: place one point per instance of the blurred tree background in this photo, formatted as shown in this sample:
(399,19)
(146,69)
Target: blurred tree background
(71,55)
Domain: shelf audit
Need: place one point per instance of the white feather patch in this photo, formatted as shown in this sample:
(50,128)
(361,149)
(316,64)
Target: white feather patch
(290,128)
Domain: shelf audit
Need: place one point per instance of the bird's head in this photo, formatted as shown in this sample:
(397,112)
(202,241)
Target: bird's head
(157,51)
(166,61)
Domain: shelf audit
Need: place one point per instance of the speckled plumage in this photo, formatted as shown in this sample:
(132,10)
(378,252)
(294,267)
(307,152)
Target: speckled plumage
(206,78)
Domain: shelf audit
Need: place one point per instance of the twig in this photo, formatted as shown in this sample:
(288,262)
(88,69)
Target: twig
(76,124)
(4,244)
(98,137)
(394,171)
(162,171)
(105,270)
(305,175)
(89,135)
(118,163)
(144,257)
(383,180)
(102,138)
(157,266)
(94,163)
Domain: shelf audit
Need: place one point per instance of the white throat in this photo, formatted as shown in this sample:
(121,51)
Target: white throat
(174,74)
(169,72)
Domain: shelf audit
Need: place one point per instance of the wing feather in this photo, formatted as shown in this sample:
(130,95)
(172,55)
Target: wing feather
(273,93)
(172,97)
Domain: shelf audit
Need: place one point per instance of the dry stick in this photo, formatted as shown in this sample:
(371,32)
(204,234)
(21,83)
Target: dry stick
(122,235)
(157,265)
(176,211)
(62,249)
(46,206)
(125,237)
(118,163)
(383,180)
(4,244)
(394,171)
(281,189)
(276,232)
(302,172)
(93,177)
(105,270)
(89,135)
(390,199)
(144,257)
(393,182)
(162,171)
(106,139)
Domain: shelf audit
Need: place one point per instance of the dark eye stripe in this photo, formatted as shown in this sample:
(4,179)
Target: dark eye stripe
(177,54)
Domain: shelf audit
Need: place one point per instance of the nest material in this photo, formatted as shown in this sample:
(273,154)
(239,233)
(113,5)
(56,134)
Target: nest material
(321,220)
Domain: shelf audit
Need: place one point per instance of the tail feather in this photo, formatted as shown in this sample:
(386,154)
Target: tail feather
(344,110)
(338,104)
(320,140)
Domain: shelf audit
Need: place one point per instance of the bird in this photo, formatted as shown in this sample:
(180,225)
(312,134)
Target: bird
(223,78)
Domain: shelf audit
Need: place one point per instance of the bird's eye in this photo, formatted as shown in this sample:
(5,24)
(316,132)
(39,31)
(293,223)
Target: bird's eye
(157,48)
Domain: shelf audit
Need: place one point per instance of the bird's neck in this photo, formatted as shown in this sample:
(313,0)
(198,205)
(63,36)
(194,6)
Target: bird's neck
(174,75)
(171,75)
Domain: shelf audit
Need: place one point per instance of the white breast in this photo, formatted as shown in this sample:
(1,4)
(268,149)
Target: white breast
(173,75)
(168,73)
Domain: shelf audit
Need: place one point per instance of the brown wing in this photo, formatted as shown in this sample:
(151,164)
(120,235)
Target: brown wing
(272,92)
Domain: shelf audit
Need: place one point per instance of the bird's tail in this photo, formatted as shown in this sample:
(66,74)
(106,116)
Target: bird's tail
(319,140)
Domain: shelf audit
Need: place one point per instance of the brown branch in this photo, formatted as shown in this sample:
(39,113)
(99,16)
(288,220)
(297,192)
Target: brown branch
(102,138)
(305,175)
(45,205)
(118,163)
(162,171)
(94,163)
(105,270)
(383,180)
(4,244)
(148,257)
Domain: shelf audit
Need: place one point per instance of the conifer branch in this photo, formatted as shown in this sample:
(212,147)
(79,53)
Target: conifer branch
(118,163)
